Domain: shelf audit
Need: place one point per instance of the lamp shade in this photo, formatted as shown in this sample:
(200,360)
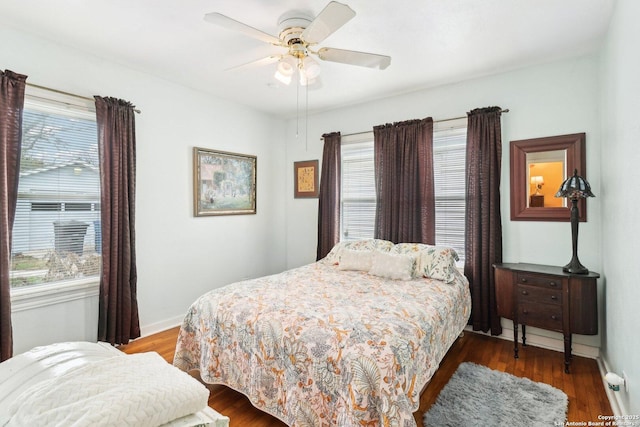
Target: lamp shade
(537,180)
(575,187)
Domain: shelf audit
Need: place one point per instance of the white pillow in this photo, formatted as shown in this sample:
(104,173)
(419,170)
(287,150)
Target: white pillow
(351,259)
(393,266)
(333,257)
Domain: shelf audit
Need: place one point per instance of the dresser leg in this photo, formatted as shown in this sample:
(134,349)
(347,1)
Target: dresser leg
(570,347)
(567,352)
(524,336)
(515,340)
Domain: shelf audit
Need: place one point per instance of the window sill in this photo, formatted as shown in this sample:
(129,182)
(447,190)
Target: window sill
(31,297)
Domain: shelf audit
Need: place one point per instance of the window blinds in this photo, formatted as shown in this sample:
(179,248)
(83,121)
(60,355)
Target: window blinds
(56,232)
(449,154)
(358,209)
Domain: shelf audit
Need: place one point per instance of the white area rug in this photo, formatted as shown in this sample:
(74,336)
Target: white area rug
(478,396)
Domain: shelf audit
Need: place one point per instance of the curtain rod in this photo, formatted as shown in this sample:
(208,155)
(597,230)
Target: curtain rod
(66,93)
(506,110)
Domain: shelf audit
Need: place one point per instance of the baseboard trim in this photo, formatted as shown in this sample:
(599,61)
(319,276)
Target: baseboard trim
(154,328)
(556,344)
(617,406)
(549,343)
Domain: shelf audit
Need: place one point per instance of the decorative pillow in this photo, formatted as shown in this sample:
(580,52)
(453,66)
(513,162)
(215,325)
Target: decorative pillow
(351,259)
(393,266)
(333,257)
(382,245)
(409,248)
(438,263)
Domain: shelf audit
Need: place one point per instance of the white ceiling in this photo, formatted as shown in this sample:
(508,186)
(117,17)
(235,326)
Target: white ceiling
(431,42)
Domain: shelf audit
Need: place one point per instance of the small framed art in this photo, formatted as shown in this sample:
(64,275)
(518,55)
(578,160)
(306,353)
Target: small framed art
(223,183)
(305,178)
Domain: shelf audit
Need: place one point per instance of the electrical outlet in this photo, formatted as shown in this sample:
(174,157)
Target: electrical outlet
(626,381)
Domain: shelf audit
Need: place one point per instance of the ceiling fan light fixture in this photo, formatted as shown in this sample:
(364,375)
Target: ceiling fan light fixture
(310,68)
(286,66)
(285,69)
(282,78)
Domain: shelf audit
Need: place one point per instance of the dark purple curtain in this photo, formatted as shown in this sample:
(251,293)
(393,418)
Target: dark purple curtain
(11,106)
(483,241)
(403,161)
(118,320)
(329,196)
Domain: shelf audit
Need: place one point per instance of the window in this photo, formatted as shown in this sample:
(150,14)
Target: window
(358,197)
(56,232)
(358,193)
(449,156)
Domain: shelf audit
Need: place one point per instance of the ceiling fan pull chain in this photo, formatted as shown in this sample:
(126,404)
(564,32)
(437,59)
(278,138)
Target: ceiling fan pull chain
(297,109)
(306,118)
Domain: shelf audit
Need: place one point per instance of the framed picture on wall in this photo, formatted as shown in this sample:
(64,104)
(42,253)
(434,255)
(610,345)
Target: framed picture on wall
(305,179)
(223,183)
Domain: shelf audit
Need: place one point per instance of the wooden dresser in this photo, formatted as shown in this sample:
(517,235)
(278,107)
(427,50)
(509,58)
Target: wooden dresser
(536,201)
(546,297)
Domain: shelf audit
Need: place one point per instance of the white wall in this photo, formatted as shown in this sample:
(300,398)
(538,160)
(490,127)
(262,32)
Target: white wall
(620,153)
(179,256)
(553,99)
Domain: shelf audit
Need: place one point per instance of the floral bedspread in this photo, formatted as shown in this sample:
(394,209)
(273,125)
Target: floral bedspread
(316,346)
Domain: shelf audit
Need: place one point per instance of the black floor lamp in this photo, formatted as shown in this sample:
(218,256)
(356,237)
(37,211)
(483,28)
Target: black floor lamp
(574,188)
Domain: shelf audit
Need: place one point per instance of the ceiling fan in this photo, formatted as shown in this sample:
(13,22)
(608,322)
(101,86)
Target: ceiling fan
(299,34)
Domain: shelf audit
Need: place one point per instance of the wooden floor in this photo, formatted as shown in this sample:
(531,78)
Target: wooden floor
(587,397)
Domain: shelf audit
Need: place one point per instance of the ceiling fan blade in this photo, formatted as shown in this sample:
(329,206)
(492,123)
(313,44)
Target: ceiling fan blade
(258,63)
(352,57)
(332,17)
(232,24)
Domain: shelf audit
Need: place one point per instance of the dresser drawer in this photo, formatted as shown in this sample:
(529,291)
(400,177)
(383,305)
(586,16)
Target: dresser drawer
(535,295)
(539,280)
(545,316)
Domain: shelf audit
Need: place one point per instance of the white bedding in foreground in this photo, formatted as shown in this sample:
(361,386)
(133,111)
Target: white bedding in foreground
(140,389)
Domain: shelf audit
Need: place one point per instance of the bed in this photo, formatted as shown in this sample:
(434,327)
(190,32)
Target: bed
(350,340)
(92,384)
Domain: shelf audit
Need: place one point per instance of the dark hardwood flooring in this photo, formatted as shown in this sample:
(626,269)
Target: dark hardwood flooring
(587,397)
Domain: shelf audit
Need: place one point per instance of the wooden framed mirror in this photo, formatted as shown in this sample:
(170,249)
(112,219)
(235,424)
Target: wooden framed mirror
(538,168)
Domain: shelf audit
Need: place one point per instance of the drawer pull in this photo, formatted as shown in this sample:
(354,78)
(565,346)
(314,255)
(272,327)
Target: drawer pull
(523,280)
(525,293)
(525,312)
(554,317)
(553,284)
(554,297)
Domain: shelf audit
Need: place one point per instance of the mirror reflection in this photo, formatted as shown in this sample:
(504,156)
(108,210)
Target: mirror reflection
(546,170)
(539,166)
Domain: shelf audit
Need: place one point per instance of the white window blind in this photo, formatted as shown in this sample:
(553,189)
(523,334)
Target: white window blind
(358,198)
(358,205)
(449,155)
(56,232)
